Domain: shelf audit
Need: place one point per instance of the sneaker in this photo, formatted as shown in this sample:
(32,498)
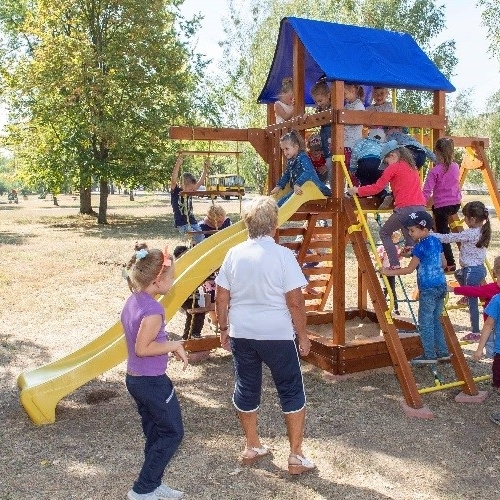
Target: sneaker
(463,301)
(495,418)
(421,360)
(165,492)
(471,337)
(386,203)
(132,495)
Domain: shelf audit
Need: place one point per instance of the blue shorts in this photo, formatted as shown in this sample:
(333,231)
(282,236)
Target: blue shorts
(282,358)
(197,238)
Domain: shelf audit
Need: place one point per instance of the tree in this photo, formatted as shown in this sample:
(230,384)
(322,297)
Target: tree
(92,87)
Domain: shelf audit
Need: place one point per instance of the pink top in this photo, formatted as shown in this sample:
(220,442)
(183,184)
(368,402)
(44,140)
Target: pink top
(443,185)
(405,185)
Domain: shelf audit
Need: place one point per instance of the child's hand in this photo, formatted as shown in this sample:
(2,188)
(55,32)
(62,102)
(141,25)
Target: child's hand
(181,355)
(449,288)
(274,190)
(297,189)
(477,355)
(353,190)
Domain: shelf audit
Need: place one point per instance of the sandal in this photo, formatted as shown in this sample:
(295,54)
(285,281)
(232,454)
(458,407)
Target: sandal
(304,464)
(260,453)
(471,337)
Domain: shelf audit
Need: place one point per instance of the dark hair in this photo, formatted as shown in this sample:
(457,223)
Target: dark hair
(295,138)
(477,210)
(180,250)
(446,149)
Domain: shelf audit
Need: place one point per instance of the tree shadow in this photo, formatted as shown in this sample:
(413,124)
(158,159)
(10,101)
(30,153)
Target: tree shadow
(8,238)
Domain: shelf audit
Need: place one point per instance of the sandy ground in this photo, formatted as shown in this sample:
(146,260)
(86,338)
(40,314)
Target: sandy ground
(60,287)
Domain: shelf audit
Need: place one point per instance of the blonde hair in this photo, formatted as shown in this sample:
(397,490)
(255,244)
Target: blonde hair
(286,85)
(295,138)
(215,212)
(144,267)
(261,216)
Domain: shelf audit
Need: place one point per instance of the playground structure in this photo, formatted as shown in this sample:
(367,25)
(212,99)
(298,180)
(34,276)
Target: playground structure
(42,388)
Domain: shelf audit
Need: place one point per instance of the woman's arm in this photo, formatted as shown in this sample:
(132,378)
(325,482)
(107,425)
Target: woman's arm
(296,305)
(147,345)
(222,298)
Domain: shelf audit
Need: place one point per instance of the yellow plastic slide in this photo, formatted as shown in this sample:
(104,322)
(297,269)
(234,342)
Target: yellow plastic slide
(43,387)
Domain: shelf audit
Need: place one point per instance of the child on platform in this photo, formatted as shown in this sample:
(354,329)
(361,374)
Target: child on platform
(299,168)
(353,96)
(428,260)
(419,151)
(320,92)
(473,244)
(283,107)
(380,102)
(182,205)
(149,273)
(365,159)
(442,189)
(317,157)
(402,174)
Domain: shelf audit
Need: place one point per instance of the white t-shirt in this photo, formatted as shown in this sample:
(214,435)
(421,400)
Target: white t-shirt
(258,273)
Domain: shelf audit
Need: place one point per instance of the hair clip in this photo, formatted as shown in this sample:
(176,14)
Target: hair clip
(140,254)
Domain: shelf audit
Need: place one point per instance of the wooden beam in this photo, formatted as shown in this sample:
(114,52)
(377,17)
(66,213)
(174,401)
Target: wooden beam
(348,117)
(298,75)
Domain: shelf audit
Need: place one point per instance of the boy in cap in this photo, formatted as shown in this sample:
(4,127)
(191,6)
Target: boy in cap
(428,259)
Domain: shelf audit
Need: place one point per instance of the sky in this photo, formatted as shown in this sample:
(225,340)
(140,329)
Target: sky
(475,69)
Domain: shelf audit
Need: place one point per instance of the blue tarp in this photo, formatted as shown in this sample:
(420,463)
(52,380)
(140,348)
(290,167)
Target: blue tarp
(368,56)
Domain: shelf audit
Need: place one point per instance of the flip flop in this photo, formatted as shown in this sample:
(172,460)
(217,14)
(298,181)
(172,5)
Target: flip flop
(305,464)
(260,453)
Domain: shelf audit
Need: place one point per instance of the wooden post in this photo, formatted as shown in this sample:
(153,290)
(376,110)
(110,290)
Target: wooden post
(338,221)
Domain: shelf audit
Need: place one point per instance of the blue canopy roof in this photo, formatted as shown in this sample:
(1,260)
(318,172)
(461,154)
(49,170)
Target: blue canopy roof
(367,56)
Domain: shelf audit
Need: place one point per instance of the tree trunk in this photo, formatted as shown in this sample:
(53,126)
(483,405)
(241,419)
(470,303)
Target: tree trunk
(131,198)
(86,202)
(54,199)
(103,202)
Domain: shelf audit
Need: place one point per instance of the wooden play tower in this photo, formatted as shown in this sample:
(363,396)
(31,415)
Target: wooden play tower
(347,226)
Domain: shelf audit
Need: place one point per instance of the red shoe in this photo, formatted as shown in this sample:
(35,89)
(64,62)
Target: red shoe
(471,337)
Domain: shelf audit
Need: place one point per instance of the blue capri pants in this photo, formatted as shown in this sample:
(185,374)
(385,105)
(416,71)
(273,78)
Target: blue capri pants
(282,358)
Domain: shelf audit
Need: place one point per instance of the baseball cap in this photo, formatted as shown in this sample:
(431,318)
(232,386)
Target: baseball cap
(419,218)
